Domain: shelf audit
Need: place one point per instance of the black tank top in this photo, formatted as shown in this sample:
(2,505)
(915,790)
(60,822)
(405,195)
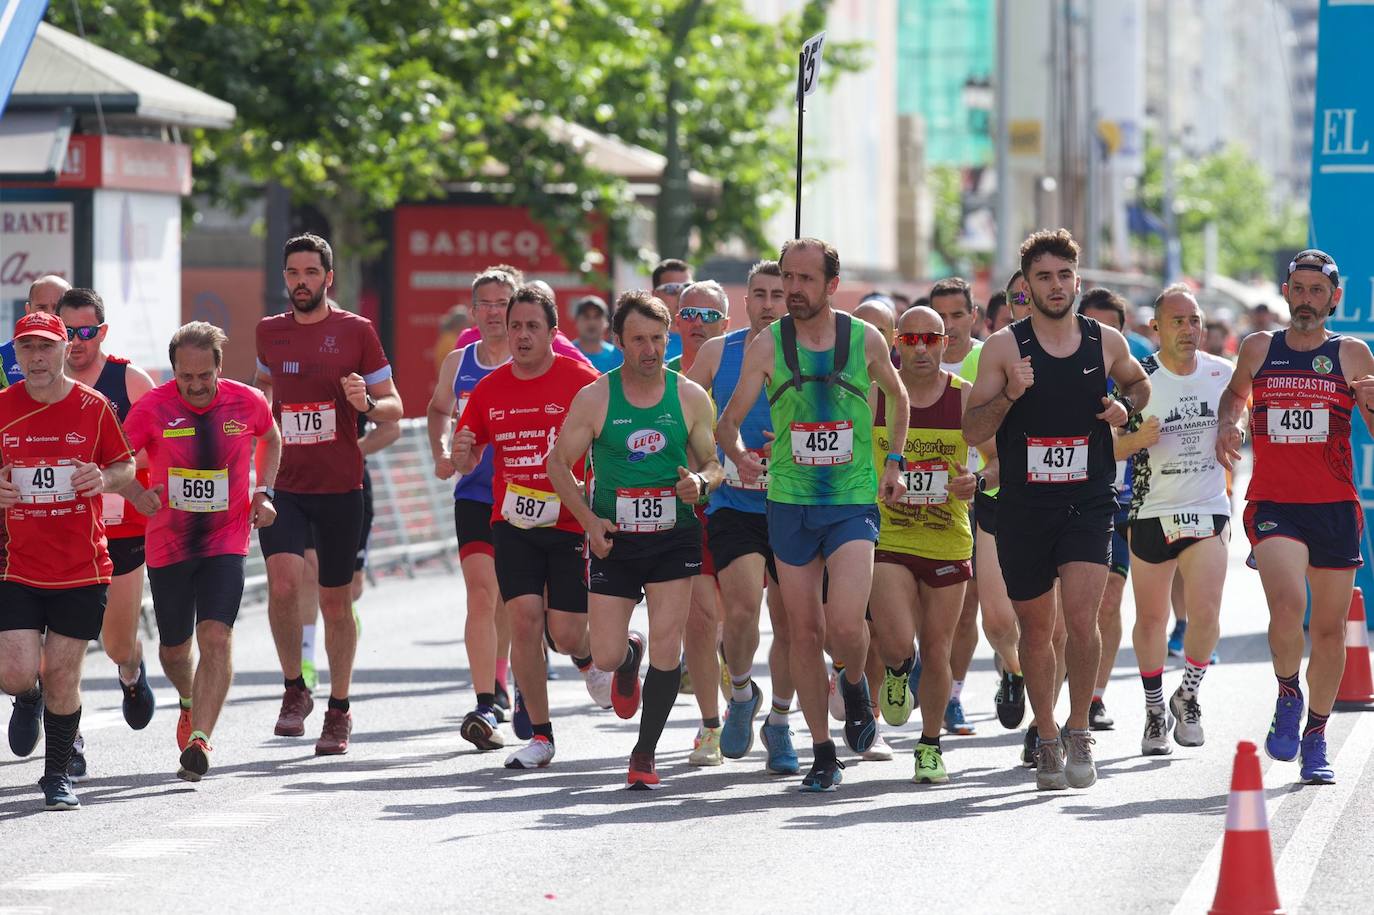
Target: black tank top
(1054,451)
(113,383)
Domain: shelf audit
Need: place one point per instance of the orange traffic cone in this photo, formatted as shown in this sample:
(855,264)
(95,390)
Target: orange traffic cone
(1246,884)
(1357,686)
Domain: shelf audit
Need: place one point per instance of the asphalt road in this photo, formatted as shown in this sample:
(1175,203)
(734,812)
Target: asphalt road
(413,819)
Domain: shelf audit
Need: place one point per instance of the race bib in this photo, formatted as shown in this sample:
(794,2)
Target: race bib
(307,423)
(822,444)
(42,482)
(1296,423)
(927,483)
(732,474)
(644,511)
(463,399)
(111,508)
(527,508)
(1056,460)
(198,490)
(1188,526)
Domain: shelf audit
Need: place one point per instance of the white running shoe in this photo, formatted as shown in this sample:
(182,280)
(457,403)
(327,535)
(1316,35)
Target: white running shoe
(599,685)
(707,750)
(879,751)
(836,699)
(536,754)
(1187,720)
(1155,741)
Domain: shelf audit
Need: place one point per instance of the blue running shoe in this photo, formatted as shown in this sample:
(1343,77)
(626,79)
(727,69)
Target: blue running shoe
(860,728)
(520,718)
(1176,639)
(823,776)
(782,757)
(1315,769)
(1282,742)
(737,734)
(57,793)
(954,719)
(914,683)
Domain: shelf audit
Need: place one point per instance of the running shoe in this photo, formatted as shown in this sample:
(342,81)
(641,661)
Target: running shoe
(1079,769)
(1283,740)
(930,766)
(1098,719)
(684,683)
(823,776)
(642,775)
(782,756)
(139,700)
(1187,720)
(537,754)
(954,719)
(57,793)
(737,736)
(309,674)
(914,682)
(520,718)
(707,750)
(1315,769)
(860,729)
(183,727)
(26,722)
(1176,639)
(836,699)
(625,689)
(502,700)
(727,689)
(76,766)
(296,706)
(1010,700)
(598,684)
(1155,741)
(1028,745)
(1049,765)
(897,701)
(479,729)
(357,621)
(338,727)
(879,751)
(195,759)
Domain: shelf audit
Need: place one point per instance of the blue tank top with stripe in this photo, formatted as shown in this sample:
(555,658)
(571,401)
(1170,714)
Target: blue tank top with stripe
(476,485)
(758,421)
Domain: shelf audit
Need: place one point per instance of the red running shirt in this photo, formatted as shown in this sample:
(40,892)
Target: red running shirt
(307,363)
(54,538)
(521,419)
(201,459)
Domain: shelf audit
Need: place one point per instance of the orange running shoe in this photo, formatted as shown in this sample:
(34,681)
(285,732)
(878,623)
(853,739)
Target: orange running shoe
(184,728)
(642,776)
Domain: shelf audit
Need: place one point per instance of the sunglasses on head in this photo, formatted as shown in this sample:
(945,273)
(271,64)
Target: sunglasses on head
(670,288)
(704,315)
(84,332)
(929,338)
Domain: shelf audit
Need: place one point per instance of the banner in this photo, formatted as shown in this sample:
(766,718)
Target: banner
(36,239)
(18,24)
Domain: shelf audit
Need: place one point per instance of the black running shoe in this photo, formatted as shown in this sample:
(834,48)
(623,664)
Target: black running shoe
(26,722)
(860,728)
(139,700)
(57,793)
(1098,719)
(502,701)
(76,768)
(1010,701)
(1028,748)
(824,776)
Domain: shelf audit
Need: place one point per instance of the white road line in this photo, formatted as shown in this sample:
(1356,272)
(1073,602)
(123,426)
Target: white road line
(1303,851)
(63,881)
(25,909)
(158,848)
(229,819)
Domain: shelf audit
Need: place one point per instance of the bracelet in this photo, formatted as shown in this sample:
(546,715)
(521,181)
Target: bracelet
(265,490)
(1125,402)
(894,456)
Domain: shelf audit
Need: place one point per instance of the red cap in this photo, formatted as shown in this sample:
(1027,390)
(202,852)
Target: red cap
(41,324)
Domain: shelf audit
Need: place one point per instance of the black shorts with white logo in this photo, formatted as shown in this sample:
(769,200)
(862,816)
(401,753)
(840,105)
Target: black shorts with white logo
(195,591)
(731,533)
(1032,543)
(530,561)
(637,560)
(1148,543)
(77,613)
(127,554)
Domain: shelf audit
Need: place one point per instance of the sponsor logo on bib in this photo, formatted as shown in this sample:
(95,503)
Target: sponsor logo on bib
(644,442)
(1321,365)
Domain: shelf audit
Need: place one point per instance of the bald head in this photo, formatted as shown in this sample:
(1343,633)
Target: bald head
(878,313)
(921,319)
(921,359)
(44,293)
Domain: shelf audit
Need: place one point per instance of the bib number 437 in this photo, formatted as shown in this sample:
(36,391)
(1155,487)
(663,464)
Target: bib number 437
(1057,460)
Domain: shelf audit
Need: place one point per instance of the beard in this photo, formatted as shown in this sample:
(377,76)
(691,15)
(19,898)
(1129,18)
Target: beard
(801,308)
(1050,312)
(309,304)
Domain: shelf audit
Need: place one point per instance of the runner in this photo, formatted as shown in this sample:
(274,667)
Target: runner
(925,543)
(737,539)
(320,367)
(1303,515)
(44,293)
(669,278)
(61,448)
(649,431)
(486,628)
(198,431)
(1052,423)
(518,409)
(818,365)
(123,384)
(593,319)
(1180,514)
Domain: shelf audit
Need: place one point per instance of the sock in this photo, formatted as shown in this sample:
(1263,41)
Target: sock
(582,664)
(543,730)
(778,713)
(1316,724)
(502,668)
(660,692)
(1153,681)
(486,701)
(956,690)
(837,667)
(308,643)
(930,741)
(633,653)
(185,701)
(299,683)
(119,673)
(61,734)
(1288,686)
(711,722)
(340,705)
(1192,677)
(203,736)
(824,752)
(742,688)
(1098,694)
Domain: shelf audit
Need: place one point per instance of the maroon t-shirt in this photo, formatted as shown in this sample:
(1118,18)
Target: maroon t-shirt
(307,364)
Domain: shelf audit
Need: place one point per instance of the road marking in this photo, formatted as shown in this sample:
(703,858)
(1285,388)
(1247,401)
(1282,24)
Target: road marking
(25,909)
(1303,850)
(229,819)
(46,883)
(158,848)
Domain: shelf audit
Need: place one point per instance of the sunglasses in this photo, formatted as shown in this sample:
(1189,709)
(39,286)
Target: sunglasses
(670,288)
(704,315)
(85,332)
(929,338)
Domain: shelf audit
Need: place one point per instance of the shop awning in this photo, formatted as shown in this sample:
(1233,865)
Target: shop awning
(33,144)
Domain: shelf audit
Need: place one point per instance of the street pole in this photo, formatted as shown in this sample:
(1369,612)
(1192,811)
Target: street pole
(1172,264)
(801,114)
(1094,222)
(1004,228)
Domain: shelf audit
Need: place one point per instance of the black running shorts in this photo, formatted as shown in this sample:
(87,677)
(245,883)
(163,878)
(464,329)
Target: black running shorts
(76,613)
(1032,543)
(640,559)
(731,533)
(194,591)
(333,522)
(530,561)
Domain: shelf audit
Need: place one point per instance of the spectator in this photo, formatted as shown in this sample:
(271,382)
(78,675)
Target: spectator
(593,317)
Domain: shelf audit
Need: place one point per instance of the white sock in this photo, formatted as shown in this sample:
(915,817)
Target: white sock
(956,690)
(779,713)
(308,643)
(742,691)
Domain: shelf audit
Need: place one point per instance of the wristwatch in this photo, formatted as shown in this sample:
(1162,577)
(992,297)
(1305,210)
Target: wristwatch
(266,491)
(901,461)
(1126,402)
(982,482)
(703,486)
(371,403)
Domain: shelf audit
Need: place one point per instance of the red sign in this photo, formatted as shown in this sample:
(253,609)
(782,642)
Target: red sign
(437,252)
(124,163)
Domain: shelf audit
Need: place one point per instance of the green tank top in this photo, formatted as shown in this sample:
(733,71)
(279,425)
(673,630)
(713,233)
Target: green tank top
(634,462)
(823,453)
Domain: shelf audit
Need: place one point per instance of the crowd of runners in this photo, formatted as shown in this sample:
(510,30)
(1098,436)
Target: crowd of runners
(877,480)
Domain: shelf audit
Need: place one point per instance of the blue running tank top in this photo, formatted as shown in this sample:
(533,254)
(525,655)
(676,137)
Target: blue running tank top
(734,493)
(476,485)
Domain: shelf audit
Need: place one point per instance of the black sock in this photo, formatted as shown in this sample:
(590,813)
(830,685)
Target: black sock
(930,741)
(61,734)
(1316,724)
(824,752)
(660,692)
(1289,686)
(711,722)
(32,694)
(543,730)
(299,683)
(582,664)
(632,656)
(487,700)
(339,704)
(904,669)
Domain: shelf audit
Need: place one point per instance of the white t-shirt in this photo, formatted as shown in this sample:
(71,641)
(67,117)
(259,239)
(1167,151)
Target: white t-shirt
(1180,474)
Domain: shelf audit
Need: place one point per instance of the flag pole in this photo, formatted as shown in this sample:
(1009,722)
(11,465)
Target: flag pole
(801,113)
